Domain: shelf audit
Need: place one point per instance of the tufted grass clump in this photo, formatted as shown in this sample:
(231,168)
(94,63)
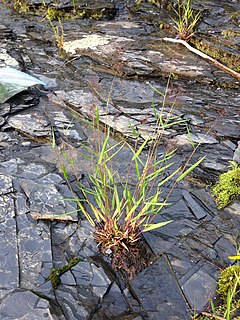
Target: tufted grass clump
(186,19)
(228,187)
(121,206)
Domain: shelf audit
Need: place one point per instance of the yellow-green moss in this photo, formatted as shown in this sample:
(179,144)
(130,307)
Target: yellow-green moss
(227,85)
(229,59)
(228,280)
(52,13)
(157,3)
(230,33)
(56,273)
(228,187)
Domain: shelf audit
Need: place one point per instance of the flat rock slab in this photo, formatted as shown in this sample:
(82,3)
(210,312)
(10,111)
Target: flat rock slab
(24,305)
(159,293)
(198,289)
(139,58)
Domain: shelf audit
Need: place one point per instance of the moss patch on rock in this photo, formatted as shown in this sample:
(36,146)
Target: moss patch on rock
(229,280)
(56,273)
(228,187)
(229,59)
(72,10)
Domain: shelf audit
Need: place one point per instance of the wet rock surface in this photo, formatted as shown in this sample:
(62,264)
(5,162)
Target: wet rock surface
(119,59)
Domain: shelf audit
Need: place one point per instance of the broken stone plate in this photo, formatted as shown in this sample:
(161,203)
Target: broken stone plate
(13,81)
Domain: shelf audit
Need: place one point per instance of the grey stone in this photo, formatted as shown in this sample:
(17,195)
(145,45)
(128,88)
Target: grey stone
(4,109)
(34,124)
(234,209)
(180,265)
(213,164)
(6,140)
(229,144)
(7,60)
(87,274)
(198,289)
(113,305)
(236,156)
(2,120)
(25,305)
(197,210)
(9,271)
(45,201)
(158,292)
(6,185)
(224,248)
(195,138)
(76,303)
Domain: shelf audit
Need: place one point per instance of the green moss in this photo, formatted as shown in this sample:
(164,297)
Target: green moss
(227,281)
(227,85)
(56,13)
(229,59)
(228,187)
(56,273)
(230,33)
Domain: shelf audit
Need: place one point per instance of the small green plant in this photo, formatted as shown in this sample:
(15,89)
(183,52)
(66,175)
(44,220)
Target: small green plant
(228,187)
(186,19)
(123,206)
(57,31)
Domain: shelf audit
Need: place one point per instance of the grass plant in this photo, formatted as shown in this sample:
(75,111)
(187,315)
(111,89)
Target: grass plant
(123,206)
(186,19)
(57,31)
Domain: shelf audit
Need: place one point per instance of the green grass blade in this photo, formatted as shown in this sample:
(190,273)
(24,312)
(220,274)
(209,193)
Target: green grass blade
(136,154)
(185,173)
(64,171)
(154,226)
(169,177)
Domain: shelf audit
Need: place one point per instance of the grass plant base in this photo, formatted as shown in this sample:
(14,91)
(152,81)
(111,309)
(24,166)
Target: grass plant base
(129,263)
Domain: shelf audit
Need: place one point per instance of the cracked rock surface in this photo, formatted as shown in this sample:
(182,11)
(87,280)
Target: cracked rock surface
(116,57)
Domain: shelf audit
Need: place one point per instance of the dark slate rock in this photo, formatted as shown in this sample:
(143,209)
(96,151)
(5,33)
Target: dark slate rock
(25,305)
(66,127)
(236,156)
(4,109)
(195,138)
(34,248)
(181,265)
(8,234)
(6,140)
(6,185)
(46,200)
(76,303)
(197,210)
(9,272)
(87,274)
(198,289)
(73,241)
(224,248)
(229,144)
(2,120)
(33,124)
(7,60)
(113,305)
(234,210)
(159,293)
